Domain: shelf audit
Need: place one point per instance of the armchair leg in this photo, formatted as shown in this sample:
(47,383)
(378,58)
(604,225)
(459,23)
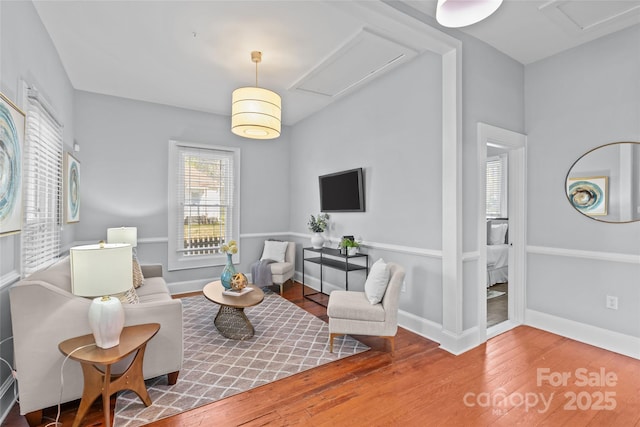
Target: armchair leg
(172,377)
(331,337)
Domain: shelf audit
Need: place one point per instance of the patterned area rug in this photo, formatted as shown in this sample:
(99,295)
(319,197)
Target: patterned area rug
(288,340)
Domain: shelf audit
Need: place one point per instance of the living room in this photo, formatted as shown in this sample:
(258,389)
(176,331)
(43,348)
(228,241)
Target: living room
(392,127)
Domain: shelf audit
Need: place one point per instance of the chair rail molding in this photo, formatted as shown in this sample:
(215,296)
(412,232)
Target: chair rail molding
(578,253)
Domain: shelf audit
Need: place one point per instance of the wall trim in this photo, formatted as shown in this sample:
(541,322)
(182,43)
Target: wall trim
(457,344)
(420,326)
(9,279)
(187,286)
(603,338)
(8,393)
(577,253)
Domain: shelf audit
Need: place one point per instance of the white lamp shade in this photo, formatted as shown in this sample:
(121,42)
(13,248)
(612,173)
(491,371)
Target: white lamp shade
(461,13)
(256,113)
(99,271)
(123,235)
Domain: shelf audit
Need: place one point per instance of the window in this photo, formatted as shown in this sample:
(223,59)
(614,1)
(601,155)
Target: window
(497,187)
(42,171)
(204,183)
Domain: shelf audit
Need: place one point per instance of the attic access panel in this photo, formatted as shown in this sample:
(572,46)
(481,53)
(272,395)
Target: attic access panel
(580,15)
(364,57)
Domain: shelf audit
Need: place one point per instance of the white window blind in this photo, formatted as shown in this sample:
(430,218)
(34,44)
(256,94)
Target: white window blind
(497,187)
(204,202)
(42,171)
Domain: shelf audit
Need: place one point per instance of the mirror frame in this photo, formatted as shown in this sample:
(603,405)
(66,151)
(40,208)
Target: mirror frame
(566,180)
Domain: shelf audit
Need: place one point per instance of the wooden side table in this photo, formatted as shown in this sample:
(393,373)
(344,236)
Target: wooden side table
(103,383)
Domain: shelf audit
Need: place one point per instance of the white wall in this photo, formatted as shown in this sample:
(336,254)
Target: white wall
(576,101)
(26,53)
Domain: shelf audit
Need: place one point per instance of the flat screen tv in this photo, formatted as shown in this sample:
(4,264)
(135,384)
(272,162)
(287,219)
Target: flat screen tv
(342,191)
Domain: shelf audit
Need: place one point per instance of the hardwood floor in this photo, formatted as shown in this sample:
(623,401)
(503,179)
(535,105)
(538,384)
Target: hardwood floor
(514,379)
(497,308)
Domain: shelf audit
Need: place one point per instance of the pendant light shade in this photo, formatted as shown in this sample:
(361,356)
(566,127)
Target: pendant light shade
(256,112)
(460,13)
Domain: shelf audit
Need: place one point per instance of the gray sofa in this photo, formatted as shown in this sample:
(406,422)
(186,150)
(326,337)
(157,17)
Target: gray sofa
(44,312)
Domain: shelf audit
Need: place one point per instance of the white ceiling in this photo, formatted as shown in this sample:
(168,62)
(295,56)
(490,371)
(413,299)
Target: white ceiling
(193,54)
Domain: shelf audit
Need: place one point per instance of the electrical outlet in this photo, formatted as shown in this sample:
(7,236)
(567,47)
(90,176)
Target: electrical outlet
(612,302)
(404,286)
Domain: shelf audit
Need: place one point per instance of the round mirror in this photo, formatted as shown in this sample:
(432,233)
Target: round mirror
(604,184)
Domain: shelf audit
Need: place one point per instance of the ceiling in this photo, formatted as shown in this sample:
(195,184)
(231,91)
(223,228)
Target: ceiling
(193,54)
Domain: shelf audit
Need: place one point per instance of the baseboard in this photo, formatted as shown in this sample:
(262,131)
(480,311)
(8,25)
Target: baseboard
(176,288)
(603,338)
(7,398)
(420,326)
(459,343)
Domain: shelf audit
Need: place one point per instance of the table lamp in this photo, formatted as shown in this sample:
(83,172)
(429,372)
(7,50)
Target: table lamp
(102,270)
(123,235)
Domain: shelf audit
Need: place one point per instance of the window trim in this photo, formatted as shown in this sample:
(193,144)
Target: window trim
(174,260)
(504,172)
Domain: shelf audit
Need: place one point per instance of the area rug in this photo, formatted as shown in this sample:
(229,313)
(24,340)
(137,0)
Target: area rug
(494,294)
(288,340)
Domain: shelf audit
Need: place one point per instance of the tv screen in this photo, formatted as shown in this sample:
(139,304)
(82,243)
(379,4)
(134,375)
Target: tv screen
(342,191)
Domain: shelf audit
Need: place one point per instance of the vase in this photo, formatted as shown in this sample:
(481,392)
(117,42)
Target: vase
(352,251)
(317,240)
(227,273)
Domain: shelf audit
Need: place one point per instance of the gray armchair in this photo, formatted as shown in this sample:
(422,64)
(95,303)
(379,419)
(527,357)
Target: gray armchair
(351,313)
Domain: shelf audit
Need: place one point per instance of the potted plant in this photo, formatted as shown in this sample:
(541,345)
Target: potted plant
(349,246)
(318,224)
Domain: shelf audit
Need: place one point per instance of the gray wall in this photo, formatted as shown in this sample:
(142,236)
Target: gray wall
(576,101)
(124,155)
(26,52)
(392,128)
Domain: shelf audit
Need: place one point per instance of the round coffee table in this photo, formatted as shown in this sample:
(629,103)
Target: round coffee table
(231,320)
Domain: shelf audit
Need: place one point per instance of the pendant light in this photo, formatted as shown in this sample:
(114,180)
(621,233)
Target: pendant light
(461,13)
(255,112)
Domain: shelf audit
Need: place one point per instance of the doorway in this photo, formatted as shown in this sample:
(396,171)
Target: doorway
(501,230)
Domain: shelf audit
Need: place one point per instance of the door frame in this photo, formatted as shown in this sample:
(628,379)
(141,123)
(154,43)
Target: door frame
(516,145)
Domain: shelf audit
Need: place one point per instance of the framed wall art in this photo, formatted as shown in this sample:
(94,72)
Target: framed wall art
(589,195)
(71,189)
(12,128)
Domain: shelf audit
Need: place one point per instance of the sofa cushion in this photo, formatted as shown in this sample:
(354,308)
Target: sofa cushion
(152,286)
(353,306)
(58,274)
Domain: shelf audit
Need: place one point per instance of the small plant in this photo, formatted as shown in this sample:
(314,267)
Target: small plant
(318,224)
(348,243)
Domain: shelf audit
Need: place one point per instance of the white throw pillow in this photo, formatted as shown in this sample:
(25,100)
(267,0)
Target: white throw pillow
(376,283)
(274,250)
(498,234)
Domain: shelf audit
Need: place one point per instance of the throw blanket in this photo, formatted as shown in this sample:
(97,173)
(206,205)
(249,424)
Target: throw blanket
(261,273)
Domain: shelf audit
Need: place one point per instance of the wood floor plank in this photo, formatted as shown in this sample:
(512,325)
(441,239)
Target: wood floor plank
(420,384)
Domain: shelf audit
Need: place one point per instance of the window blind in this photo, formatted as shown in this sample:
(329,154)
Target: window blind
(42,171)
(497,187)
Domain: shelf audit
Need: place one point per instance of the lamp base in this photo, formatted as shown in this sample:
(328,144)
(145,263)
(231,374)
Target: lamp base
(106,319)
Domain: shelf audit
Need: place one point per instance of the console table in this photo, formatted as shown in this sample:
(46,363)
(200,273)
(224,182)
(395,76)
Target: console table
(332,258)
